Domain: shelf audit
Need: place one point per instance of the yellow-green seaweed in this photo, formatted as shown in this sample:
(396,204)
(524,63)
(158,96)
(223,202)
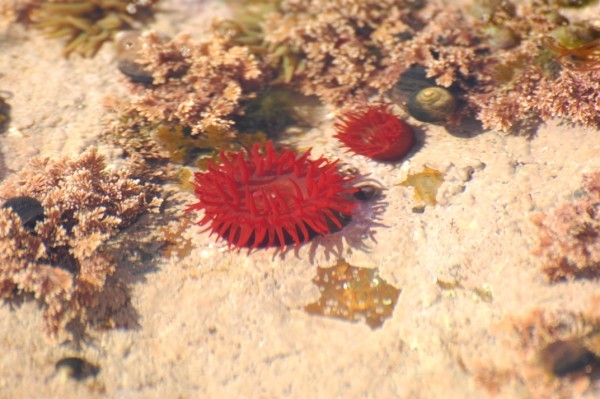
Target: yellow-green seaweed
(426,184)
(88,24)
(184,149)
(246,25)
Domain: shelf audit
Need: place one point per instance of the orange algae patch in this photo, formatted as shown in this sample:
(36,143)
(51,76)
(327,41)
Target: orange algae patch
(426,184)
(175,244)
(353,293)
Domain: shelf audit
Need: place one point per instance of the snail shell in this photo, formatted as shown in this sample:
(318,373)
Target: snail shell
(128,47)
(432,104)
(367,192)
(501,37)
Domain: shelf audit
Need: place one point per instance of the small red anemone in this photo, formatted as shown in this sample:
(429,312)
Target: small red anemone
(259,198)
(375,133)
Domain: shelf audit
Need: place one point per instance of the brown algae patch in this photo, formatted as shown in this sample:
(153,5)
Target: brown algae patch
(353,293)
(58,225)
(176,243)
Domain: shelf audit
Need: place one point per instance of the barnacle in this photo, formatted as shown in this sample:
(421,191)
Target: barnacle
(585,57)
(88,24)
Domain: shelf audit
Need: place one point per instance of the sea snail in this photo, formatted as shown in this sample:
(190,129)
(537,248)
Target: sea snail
(500,37)
(432,104)
(128,47)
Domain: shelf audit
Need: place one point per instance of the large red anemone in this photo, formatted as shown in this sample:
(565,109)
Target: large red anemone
(260,198)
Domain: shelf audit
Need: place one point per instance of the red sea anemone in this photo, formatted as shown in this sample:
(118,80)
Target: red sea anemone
(376,133)
(261,198)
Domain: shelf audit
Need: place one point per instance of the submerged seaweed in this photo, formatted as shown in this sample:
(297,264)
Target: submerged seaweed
(494,62)
(426,184)
(247,29)
(199,85)
(63,259)
(88,24)
(354,293)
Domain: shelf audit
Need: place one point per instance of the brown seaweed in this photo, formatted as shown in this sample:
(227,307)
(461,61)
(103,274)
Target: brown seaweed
(65,261)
